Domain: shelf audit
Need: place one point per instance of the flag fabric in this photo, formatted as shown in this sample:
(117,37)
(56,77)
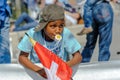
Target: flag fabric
(55,67)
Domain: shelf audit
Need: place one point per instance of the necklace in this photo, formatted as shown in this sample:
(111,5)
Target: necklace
(55,46)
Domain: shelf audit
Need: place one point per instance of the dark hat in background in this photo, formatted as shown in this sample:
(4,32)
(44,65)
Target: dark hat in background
(49,13)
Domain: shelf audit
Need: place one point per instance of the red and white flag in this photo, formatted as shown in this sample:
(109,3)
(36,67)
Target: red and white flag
(55,67)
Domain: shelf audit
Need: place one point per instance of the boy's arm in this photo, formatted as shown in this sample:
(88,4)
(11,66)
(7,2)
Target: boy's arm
(23,59)
(77,58)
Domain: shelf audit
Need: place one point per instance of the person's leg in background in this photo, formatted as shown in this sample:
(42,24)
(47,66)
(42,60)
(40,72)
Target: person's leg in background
(102,26)
(105,39)
(26,26)
(105,31)
(4,41)
(23,17)
(91,39)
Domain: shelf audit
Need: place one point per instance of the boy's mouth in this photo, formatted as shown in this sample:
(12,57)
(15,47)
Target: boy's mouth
(58,37)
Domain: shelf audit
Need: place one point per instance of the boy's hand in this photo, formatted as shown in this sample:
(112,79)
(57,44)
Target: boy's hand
(42,73)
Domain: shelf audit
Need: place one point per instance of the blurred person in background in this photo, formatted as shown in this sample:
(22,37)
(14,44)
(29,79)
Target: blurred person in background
(5,13)
(72,15)
(26,21)
(32,6)
(98,20)
(88,14)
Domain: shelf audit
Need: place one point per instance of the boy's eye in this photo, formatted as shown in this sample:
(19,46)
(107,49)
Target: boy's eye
(53,26)
(61,25)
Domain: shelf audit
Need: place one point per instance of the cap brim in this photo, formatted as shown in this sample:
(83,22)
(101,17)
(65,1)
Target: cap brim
(40,26)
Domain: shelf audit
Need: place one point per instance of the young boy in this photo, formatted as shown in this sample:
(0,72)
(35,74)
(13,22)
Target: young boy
(51,24)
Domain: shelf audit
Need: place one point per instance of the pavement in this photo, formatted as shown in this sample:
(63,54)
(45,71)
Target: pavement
(115,46)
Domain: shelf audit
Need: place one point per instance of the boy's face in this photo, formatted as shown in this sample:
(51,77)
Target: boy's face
(53,28)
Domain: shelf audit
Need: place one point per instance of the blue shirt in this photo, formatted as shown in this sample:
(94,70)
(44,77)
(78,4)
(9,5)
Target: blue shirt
(68,45)
(4,10)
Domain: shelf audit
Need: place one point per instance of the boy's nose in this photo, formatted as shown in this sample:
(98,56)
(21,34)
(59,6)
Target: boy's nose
(58,31)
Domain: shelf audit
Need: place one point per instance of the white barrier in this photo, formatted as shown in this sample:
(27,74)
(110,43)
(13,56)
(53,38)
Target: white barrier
(89,71)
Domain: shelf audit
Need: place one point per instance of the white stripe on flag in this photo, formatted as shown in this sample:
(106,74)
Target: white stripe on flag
(51,73)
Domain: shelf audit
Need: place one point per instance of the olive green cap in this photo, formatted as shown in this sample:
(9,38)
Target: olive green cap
(50,13)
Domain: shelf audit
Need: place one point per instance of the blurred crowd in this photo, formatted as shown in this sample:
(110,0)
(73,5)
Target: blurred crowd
(73,13)
(25,14)
(30,17)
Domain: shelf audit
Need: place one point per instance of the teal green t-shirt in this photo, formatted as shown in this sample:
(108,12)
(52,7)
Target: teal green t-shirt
(68,45)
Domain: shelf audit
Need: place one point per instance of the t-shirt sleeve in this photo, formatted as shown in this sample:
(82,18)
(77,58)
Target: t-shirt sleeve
(71,43)
(25,44)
